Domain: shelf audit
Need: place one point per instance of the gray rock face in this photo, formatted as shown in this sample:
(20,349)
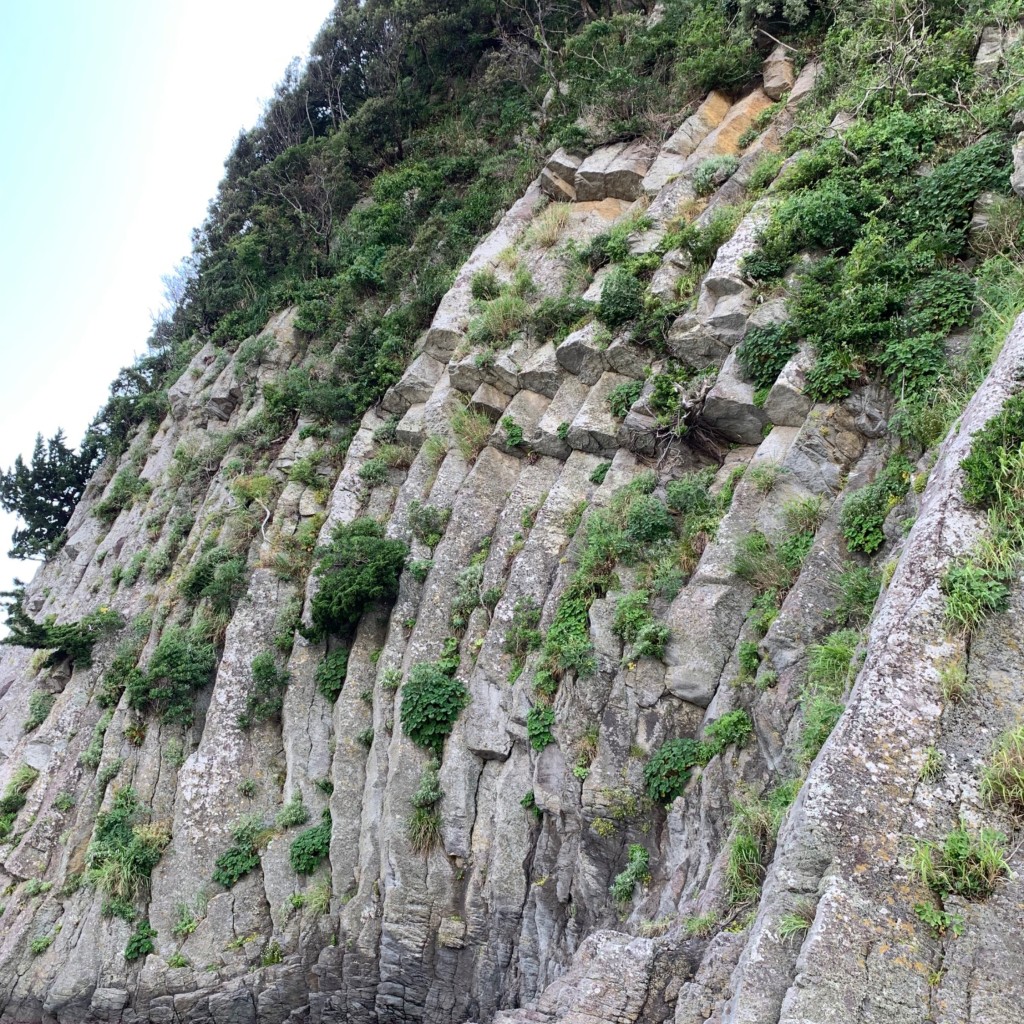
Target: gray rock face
(729,408)
(613,172)
(1017,176)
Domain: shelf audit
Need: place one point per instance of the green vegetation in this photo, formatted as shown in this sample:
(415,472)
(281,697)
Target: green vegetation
(14,797)
(539,722)
(622,298)
(41,944)
(124,849)
(428,523)
(763,353)
(73,640)
(1002,778)
(310,847)
(358,568)
(141,942)
(330,673)
(431,701)
(829,673)
(44,493)
(243,855)
(121,494)
(266,697)
(668,770)
(40,704)
(217,575)
(864,511)
(292,814)
(771,567)
(180,666)
(755,825)
(962,864)
(637,872)
(713,172)
(940,921)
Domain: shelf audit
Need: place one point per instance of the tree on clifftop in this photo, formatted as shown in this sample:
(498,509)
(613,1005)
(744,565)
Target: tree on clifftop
(44,493)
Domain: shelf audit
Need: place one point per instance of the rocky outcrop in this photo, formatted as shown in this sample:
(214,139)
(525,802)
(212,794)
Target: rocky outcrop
(549,886)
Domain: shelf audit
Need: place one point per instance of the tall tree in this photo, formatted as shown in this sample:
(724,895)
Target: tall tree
(44,493)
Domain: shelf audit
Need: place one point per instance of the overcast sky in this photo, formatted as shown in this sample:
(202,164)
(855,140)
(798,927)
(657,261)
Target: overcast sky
(115,120)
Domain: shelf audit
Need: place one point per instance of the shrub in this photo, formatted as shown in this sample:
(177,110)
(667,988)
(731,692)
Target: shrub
(124,850)
(217,575)
(309,848)
(358,568)
(266,698)
(40,704)
(637,873)
(652,640)
(554,318)
(648,520)
(428,522)
(330,673)
(622,397)
(141,942)
(431,701)
(243,855)
(181,664)
(962,865)
(71,640)
(539,721)
(622,298)
(713,172)
(373,472)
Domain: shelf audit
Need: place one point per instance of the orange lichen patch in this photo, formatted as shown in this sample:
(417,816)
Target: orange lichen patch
(724,140)
(606,209)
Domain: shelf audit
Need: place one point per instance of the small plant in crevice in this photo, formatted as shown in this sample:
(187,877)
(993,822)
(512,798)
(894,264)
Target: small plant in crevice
(539,722)
(141,942)
(40,704)
(292,814)
(243,855)
(755,825)
(940,921)
(797,921)
(428,522)
(865,510)
(424,826)
(963,864)
(1002,776)
(622,397)
(637,872)
(266,698)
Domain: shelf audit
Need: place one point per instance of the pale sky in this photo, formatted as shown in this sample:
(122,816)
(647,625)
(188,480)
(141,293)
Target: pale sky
(115,120)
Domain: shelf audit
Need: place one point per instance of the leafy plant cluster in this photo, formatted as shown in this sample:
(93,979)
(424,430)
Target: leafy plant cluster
(243,855)
(311,846)
(637,872)
(431,701)
(636,626)
(330,673)
(865,510)
(218,575)
(668,770)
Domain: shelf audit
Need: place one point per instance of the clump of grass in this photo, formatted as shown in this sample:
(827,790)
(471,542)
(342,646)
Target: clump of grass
(547,227)
(472,429)
(1002,779)
(962,864)
(953,682)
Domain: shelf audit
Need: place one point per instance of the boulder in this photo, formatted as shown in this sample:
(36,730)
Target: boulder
(786,404)
(1017,177)
(490,401)
(410,429)
(729,407)
(558,176)
(614,172)
(542,372)
(563,409)
(594,429)
(804,84)
(416,385)
(580,355)
(777,74)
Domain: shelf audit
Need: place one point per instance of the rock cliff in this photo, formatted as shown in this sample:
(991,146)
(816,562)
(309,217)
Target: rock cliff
(775,874)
